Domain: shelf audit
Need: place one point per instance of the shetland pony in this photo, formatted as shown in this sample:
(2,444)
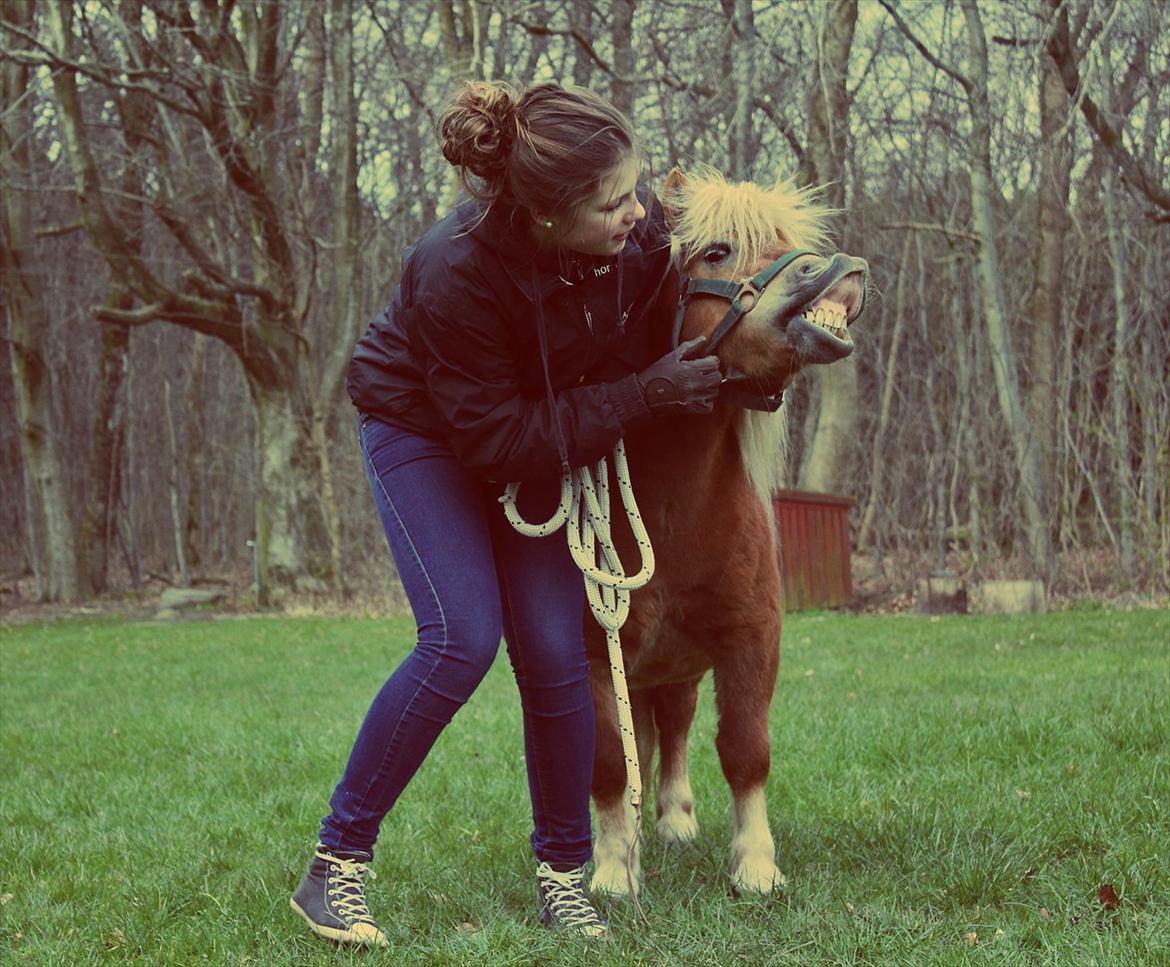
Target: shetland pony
(703,484)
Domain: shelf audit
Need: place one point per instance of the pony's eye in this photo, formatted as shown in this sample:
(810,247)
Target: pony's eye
(716,253)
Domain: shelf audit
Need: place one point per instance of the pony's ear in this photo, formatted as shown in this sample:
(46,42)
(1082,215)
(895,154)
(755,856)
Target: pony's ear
(675,181)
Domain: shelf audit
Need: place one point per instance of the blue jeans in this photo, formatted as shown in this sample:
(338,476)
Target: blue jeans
(470,577)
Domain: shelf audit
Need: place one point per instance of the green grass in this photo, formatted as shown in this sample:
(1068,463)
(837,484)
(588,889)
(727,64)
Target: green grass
(932,779)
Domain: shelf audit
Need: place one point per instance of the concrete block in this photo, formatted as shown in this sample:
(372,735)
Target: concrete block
(1009,597)
(174,600)
(942,593)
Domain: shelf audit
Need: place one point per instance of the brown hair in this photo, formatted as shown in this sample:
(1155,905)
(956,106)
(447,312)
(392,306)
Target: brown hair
(544,150)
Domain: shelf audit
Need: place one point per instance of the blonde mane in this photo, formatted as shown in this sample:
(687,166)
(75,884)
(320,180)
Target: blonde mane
(705,209)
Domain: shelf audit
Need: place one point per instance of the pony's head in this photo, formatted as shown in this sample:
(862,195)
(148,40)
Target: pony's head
(740,233)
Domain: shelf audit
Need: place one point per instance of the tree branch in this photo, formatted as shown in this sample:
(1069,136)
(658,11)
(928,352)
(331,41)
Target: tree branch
(189,316)
(961,79)
(926,227)
(50,58)
(543,30)
(1061,51)
(55,231)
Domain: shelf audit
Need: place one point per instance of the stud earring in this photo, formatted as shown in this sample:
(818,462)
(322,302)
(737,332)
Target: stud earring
(547,224)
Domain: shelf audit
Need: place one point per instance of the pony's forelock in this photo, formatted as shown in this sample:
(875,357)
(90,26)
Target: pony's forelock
(707,209)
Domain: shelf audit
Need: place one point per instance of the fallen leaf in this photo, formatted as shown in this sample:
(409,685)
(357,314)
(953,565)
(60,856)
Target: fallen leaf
(466,927)
(971,937)
(998,933)
(1045,914)
(850,909)
(1023,794)
(809,673)
(1108,896)
(1030,872)
(5,898)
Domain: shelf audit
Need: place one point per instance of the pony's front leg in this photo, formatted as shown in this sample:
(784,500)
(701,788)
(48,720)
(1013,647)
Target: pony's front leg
(616,861)
(674,711)
(744,679)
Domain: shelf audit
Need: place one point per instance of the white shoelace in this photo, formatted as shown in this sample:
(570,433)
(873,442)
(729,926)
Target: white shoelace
(345,882)
(566,900)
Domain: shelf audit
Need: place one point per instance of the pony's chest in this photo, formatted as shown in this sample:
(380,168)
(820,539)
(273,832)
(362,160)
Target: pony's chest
(659,650)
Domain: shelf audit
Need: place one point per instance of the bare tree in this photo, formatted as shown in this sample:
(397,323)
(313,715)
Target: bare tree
(53,537)
(1139,176)
(219,78)
(828,458)
(995,310)
(741,48)
(251,173)
(621,87)
(1047,308)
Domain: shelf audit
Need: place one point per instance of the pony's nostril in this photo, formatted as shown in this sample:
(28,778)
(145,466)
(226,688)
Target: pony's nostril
(808,268)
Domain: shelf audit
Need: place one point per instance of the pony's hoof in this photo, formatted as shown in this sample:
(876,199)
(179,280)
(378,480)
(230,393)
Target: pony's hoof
(677,827)
(612,879)
(759,878)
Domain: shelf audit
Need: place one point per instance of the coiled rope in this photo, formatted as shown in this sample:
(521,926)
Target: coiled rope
(585,508)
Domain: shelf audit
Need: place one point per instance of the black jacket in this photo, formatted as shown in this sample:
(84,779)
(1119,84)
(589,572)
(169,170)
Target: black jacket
(460,352)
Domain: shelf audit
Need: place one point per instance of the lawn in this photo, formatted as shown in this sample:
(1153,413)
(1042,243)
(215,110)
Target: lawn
(944,791)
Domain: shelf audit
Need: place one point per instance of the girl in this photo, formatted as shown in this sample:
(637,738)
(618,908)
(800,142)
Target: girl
(515,348)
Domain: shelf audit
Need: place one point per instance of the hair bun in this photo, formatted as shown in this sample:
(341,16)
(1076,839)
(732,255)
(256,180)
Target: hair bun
(478,129)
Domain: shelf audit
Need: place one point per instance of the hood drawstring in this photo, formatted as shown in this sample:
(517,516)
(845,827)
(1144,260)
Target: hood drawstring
(542,335)
(621,315)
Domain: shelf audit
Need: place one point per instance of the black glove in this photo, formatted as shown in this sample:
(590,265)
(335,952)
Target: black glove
(676,384)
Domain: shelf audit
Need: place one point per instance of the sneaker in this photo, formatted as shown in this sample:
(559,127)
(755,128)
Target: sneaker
(332,899)
(563,902)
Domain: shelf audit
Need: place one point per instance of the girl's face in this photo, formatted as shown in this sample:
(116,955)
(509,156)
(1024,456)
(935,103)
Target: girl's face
(604,221)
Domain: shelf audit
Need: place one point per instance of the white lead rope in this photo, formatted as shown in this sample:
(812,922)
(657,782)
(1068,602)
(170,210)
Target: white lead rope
(584,507)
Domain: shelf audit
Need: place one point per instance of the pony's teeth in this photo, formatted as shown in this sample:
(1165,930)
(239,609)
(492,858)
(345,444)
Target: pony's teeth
(833,322)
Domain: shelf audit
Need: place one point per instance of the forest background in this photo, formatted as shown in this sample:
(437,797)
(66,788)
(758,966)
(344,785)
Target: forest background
(205,201)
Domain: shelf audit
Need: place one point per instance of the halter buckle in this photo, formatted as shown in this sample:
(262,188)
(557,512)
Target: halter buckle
(752,294)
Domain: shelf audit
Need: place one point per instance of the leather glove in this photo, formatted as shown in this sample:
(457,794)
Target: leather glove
(678,383)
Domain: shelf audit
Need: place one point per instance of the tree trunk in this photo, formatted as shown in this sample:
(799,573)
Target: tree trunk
(828,123)
(52,528)
(581,20)
(742,56)
(194,459)
(621,86)
(248,262)
(877,456)
(1031,494)
(173,489)
(101,502)
(460,29)
(965,473)
(127,490)
(1119,435)
(288,528)
(826,466)
(1154,394)
(52,532)
(1048,280)
(463,27)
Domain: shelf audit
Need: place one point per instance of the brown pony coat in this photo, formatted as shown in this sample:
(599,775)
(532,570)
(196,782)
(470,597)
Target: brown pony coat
(714,600)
